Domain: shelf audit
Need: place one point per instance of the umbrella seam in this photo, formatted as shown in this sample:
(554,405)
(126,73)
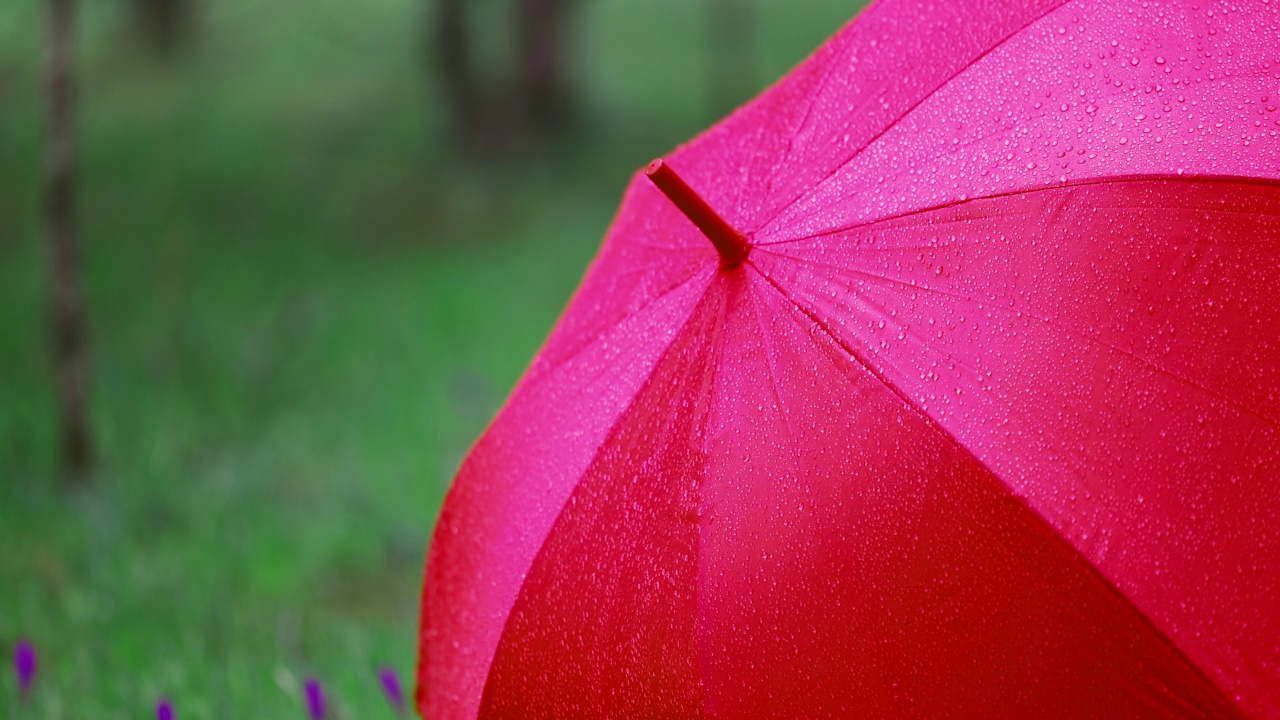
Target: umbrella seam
(544,374)
(1109,180)
(709,389)
(808,111)
(613,429)
(1043,524)
(951,151)
(894,122)
(773,378)
(1265,420)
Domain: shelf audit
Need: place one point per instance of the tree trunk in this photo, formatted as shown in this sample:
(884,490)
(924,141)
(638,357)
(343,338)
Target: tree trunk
(732,54)
(544,88)
(66,297)
(164,23)
(461,86)
(493,117)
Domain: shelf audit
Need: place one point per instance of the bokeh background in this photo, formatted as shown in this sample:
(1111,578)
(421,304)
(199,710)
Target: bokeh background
(317,254)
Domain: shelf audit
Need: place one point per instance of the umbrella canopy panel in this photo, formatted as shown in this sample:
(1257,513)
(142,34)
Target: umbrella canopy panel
(985,421)
(808,546)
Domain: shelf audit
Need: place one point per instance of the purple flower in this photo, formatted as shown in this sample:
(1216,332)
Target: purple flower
(391,686)
(164,709)
(315,698)
(24,665)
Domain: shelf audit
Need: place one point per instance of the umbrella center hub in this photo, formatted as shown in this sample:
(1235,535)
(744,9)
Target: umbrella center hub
(732,245)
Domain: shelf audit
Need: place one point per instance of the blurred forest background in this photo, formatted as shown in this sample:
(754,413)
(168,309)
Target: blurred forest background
(319,242)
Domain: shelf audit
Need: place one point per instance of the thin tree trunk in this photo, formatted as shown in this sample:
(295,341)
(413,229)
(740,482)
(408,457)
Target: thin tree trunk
(453,43)
(732,45)
(544,87)
(164,23)
(66,297)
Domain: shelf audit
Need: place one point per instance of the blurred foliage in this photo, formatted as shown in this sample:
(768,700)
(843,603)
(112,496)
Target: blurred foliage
(304,307)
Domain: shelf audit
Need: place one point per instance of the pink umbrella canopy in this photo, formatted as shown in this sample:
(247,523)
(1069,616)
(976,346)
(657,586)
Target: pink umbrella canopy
(943,379)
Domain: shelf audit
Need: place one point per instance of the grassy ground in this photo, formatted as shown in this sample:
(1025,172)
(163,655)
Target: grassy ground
(304,308)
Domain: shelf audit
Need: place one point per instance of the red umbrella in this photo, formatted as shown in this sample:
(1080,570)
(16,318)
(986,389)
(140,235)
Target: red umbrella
(971,406)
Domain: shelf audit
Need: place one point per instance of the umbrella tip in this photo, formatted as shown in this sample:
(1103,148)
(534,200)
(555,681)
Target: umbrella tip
(732,245)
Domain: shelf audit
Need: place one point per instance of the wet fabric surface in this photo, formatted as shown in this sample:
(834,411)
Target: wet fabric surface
(985,424)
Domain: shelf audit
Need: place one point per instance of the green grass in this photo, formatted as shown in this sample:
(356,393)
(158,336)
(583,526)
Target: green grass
(304,308)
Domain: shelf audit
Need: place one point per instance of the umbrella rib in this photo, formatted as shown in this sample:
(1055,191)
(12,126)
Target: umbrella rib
(885,315)
(611,326)
(1045,321)
(955,150)
(838,341)
(873,276)
(773,375)
(889,318)
(1164,371)
(1117,179)
(958,149)
(595,456)
(894,122)
(1043,524)
(804,121)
